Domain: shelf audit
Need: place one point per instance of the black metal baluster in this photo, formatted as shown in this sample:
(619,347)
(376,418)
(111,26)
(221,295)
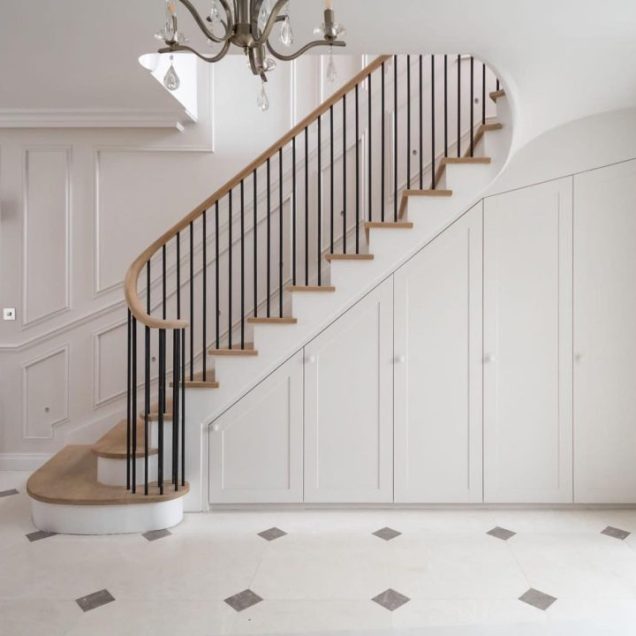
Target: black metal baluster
(229,284)
(319,204)
(191,301)
(395,138)
(268,240)
(176,359)
(255,232)
(183,405)
(497,84)
(370,151)
(408,121)
(242,265)
(472,106)
(204,290)
(179,366)
(445,105)
(383,150)
(129,393)
(344,174)
(421,71)
(162,392)
(294,211)
(306,206)
(331,178)
(147,356)
(280,232)
(483,93)
(459,105)
(357,169)
(163,295)
(134,406)
(433,175)
(217,268)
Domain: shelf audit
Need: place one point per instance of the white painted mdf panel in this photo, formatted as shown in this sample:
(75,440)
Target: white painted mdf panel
(528,345)
(45,385)
(349,405)
(46,233)
(438,391)
(256,454)
(605,335)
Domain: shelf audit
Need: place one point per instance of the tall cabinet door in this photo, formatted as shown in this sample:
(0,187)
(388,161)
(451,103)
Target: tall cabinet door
(349,405)
(528,345)
(605,335)
(256,447)
(438,434)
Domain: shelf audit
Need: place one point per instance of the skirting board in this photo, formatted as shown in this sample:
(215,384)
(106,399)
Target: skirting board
(23,461)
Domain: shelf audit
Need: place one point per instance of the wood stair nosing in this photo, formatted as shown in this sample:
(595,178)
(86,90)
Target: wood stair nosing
(198,382)
(311,288)
(495,95)
(272,320)
(70,478)
(466,160)
(349,257)
(234,351)
(390,225)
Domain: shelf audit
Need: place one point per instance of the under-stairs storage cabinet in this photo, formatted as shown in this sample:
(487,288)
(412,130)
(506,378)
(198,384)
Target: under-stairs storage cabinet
(438,433)
(349,405)
(528,345)
(605,335)
(256,447)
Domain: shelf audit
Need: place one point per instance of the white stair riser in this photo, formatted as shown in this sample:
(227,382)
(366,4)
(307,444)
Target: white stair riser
(143,517)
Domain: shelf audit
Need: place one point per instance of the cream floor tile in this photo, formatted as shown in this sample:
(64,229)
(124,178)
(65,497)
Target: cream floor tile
(37,617)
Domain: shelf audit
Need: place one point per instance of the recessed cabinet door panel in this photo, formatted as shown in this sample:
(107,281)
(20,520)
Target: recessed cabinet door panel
(605,335)
(348,405)
(256,446)
(528,345)
(438,431)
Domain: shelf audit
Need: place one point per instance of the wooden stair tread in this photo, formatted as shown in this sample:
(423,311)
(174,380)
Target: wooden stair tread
(393,225)
(428,193)
(198,382)
(349,257)
(235,350)
(70,477)
(455,160)
(272,320)
(495,95)
(112,445)
(311,288)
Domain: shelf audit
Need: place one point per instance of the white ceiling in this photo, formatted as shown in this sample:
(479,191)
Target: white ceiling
(561,59)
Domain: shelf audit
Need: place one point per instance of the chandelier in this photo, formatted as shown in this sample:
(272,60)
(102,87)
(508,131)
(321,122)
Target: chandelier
(249,25)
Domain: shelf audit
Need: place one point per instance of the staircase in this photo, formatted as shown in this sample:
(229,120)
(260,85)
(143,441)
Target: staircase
(248,277)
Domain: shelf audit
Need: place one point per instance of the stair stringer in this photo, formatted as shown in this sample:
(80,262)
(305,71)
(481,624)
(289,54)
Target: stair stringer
(353,280)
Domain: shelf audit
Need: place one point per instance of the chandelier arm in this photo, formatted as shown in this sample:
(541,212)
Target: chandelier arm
(255,12)
(182,47)
(271,21)
(304,49)
(201,24)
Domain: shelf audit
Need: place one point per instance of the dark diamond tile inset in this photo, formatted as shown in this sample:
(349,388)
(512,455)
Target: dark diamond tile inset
(271,534)
(8,493)
(501,533)
(153,535)
(391,600)
(616,533)
(95,600)
(243,600)
(537,599)
(386,533)
(39,534)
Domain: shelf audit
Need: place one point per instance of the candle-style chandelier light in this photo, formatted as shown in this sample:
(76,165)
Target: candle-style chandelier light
(248,24)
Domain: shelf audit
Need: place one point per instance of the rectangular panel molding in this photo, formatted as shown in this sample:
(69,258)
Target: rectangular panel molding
(46,233)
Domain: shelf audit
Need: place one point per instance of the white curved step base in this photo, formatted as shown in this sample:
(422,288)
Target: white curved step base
(119,519)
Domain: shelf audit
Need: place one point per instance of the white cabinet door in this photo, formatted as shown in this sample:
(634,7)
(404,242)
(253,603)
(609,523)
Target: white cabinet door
(605,335)
(349,405)
(528,345)
(256,446)
(438,434)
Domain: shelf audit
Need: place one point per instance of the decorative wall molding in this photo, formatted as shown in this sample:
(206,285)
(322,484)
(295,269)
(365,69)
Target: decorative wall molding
(98,398)
(66,306)
(64,351)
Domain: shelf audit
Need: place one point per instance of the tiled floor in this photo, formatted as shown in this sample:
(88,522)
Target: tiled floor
(371,573)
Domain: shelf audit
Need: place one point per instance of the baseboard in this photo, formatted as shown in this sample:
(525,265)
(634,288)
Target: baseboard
(23,461)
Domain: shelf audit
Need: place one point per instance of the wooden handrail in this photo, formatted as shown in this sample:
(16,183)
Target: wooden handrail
(132,275)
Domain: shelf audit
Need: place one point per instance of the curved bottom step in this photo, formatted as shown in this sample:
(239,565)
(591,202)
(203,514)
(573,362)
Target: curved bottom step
(66,498)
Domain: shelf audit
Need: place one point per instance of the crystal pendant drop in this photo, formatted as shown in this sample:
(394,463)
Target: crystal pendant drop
(263,100)
(286,32)
(215,12)
(269,64)
(171,80)
(332,71)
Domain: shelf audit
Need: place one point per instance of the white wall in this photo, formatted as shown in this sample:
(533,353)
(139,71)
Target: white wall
(76,206)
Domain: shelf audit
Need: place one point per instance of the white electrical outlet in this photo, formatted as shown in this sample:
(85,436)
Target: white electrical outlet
(8,313)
